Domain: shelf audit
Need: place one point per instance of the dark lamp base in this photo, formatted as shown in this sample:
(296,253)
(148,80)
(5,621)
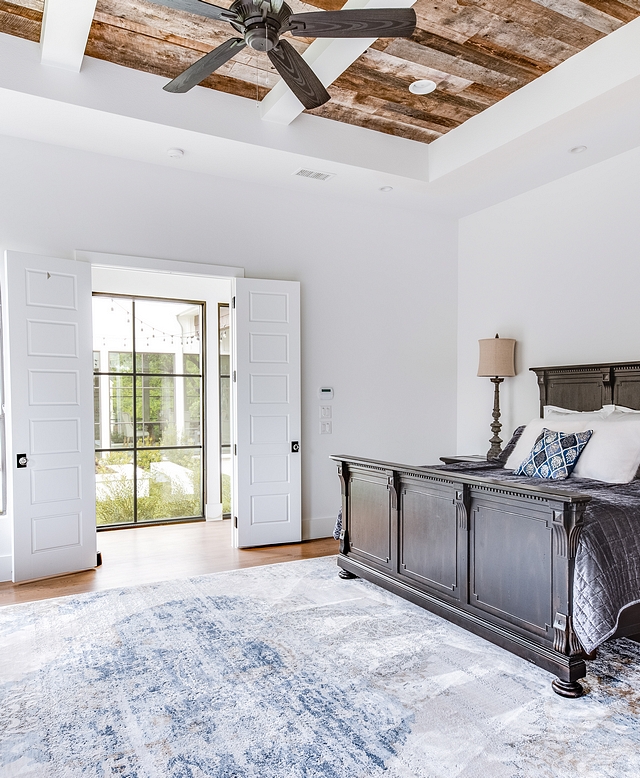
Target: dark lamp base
(496,442)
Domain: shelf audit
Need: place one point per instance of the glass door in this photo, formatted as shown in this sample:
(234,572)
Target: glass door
(148,410)
(224,361)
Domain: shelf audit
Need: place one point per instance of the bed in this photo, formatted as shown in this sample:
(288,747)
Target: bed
(547,570)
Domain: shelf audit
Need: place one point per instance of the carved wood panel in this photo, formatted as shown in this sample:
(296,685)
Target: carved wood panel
(626,386)
(370,518)
(511,564)
(429,538)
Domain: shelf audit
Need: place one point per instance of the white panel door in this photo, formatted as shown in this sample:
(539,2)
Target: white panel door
(49,413)
(266,392)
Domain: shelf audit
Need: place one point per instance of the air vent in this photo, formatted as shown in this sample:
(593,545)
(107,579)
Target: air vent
(314,174)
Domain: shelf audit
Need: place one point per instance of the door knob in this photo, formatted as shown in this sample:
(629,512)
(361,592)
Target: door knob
(22,460)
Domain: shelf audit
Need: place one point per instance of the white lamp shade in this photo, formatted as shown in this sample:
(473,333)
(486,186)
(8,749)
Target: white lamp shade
(496,357)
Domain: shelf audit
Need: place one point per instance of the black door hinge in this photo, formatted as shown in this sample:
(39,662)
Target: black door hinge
(235,522)
(235,450)
(233,302)
(234,376)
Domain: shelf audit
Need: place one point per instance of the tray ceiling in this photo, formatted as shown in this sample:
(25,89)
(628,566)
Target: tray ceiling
(477,51)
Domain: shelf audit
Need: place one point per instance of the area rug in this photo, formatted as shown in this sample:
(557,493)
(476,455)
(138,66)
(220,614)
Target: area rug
(287,671)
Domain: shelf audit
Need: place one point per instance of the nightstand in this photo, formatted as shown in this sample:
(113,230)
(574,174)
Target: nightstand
(463,458)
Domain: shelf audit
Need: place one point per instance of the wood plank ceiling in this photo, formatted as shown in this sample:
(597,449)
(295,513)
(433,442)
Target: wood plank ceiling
(477,51)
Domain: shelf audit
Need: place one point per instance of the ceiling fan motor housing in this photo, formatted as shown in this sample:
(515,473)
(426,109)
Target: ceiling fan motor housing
(261,36)
(260,24)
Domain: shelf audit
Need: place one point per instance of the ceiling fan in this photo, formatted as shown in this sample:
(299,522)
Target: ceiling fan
(262,22)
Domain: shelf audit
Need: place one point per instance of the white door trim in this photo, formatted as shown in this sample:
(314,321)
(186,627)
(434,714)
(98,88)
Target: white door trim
(171,266)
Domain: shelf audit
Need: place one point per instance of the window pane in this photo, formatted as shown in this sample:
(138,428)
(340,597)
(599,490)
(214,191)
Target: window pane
(114,488)
(223,325)
(191,363)
(112,334)
(225,469)
(96,401)
(225,365)
(225,411)
(155,411)
(120,411)
(120,362)
(166,332)
(155,363)
(174,483)
(188,431)
(97,437)
(169,411)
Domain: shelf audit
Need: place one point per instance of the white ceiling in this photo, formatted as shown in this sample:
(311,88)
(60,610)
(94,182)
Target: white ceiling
(522,142)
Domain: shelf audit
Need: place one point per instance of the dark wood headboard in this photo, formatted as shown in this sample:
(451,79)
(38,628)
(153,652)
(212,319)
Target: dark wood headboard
(589,387)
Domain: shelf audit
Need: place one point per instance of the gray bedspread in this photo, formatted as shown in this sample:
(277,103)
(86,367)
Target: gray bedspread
(607,570)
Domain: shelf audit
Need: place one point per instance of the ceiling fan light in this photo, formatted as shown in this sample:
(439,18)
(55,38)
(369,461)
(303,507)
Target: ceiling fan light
(422,86)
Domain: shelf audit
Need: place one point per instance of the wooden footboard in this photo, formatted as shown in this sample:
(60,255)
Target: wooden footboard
(495,559)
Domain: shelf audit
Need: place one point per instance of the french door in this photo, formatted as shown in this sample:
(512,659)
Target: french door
(266,394)
(47,350)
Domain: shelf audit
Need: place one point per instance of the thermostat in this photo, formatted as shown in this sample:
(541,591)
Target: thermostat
(325,393)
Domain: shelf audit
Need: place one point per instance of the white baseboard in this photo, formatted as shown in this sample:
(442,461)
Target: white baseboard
(213,511)
(5,567)
(318,528)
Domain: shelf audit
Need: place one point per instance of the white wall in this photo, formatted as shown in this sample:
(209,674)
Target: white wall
(558,269)
(378,287)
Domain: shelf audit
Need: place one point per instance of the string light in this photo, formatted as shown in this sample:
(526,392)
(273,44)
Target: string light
(185,340)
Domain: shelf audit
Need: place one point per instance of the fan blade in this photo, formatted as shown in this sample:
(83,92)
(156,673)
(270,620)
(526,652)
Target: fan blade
(298,76)
(205,66)
(200,8)
(356,23)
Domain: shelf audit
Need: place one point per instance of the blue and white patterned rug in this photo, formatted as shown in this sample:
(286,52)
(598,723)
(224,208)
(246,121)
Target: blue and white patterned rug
(287,671)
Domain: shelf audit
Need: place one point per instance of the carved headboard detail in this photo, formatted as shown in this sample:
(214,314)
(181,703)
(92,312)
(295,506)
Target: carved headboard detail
(589,387)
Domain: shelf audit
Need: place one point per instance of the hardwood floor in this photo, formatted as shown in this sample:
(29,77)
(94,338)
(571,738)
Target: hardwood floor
(147,554)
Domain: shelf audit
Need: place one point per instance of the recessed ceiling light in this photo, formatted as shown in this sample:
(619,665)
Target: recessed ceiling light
(422,87)
(578,149)
(386,189)
(175,153)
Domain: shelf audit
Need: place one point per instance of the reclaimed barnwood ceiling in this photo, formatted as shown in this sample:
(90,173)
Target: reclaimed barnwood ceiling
(477,51)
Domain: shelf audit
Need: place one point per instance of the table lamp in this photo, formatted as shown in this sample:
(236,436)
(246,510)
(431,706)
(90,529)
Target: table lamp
(496,362)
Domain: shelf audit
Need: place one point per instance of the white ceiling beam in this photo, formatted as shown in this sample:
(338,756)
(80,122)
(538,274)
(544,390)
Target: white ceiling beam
(65,31)
(329,58)
(602,67)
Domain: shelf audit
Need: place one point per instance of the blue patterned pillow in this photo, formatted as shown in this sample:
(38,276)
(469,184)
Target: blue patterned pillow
(554,454)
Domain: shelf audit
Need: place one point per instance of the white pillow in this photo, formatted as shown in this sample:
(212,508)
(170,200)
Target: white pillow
(620,410)
(562,423)
(613,452)
(552,411)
